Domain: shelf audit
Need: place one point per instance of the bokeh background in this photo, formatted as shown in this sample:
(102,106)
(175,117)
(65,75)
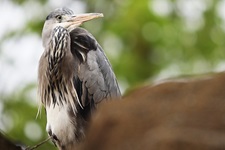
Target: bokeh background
(145,41)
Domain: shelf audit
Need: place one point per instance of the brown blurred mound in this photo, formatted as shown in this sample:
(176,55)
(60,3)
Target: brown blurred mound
(168,116)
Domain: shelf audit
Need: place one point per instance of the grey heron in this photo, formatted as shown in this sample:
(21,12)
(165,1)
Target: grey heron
(74,76)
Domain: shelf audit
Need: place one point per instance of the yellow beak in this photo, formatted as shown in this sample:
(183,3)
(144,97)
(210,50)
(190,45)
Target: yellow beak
(81,18)
(76,20)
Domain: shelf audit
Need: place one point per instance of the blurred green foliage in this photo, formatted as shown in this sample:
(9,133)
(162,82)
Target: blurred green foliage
(20,121)
(152,42)
(140,42)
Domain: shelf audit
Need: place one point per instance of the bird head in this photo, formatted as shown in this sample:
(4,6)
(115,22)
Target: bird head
(65,18)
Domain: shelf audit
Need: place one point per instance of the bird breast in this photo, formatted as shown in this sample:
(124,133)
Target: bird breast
(60,124)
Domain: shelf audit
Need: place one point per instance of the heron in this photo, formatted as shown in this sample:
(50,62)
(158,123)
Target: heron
(74,76)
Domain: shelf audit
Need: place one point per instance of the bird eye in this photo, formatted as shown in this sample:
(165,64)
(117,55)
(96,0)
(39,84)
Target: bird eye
(58,17)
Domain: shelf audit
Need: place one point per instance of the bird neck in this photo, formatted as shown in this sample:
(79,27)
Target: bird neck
(57,48)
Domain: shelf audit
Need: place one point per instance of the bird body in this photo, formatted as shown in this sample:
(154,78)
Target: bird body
(74,76)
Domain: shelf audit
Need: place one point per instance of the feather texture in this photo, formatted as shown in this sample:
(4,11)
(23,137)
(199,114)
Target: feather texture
(95,72)
(74,76)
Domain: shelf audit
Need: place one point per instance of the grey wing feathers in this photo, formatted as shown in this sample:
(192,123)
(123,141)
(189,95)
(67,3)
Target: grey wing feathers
(96,79)
(97,76)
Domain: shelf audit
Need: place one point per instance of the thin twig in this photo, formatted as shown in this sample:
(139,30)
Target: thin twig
(39,144)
